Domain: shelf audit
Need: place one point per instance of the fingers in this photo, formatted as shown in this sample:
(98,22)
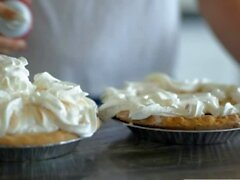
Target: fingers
(8,45)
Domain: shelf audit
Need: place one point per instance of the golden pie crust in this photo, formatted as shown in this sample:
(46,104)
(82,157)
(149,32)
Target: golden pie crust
(37,139)
(206,122)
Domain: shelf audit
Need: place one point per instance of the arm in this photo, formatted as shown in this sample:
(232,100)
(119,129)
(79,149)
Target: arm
(224,18)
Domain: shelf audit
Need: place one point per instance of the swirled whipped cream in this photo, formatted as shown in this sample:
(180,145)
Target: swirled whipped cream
(46,105)
(159,95)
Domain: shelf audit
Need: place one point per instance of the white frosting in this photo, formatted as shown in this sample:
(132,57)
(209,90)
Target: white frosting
(46,105)
(161,96)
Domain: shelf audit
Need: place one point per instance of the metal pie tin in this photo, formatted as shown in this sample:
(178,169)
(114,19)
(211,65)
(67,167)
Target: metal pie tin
(188,137)
(36,153)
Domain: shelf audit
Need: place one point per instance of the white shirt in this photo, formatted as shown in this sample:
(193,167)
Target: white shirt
(100,43)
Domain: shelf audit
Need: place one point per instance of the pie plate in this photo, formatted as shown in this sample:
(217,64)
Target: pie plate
(36,153)
(170,136)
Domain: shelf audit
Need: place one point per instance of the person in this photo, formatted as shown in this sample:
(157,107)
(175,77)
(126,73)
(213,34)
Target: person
(104,43)
(100,43)
(223,17)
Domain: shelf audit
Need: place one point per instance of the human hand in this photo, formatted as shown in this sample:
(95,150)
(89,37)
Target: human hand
(10,45)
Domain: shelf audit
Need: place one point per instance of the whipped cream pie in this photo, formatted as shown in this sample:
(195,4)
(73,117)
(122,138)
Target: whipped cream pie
(159,101)
(44,111)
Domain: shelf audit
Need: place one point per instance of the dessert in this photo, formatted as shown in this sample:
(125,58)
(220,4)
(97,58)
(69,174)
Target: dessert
(45,111)
(160,102)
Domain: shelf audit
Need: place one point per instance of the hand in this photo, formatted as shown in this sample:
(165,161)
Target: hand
(9,45)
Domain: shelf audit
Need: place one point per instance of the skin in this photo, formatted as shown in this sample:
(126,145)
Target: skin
(223,17)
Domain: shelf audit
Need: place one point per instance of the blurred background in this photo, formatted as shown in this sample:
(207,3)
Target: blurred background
(200,54)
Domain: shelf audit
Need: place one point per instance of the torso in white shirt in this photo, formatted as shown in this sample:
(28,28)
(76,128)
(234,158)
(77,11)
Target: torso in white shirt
(99,43)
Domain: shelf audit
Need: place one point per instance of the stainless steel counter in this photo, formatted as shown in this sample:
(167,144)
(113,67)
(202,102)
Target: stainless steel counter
(114,153)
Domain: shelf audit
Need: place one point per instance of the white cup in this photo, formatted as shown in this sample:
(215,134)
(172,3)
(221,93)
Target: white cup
(20,26)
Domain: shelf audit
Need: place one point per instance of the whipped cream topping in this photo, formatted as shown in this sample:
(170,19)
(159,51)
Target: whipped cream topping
(46,105)
(159,95)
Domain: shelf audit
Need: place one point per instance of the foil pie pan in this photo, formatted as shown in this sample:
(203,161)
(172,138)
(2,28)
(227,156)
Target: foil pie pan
(36,153)
(188,137)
